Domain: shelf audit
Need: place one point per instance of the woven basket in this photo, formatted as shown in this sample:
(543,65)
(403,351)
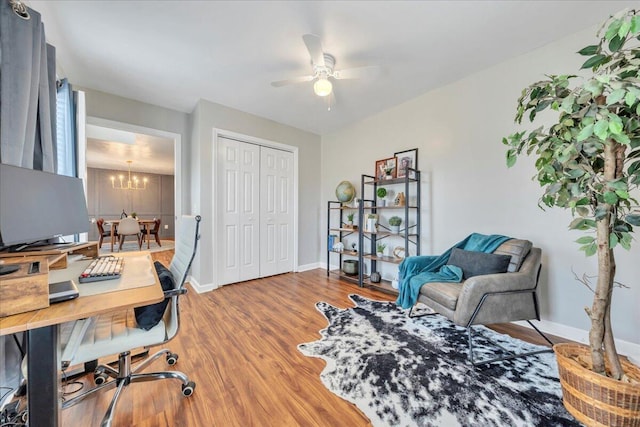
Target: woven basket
(596,400)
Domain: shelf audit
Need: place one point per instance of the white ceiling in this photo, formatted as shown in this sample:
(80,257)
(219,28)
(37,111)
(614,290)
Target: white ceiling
(172,53)
(110,149)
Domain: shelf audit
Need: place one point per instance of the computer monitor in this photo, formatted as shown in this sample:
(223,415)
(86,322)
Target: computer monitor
(37,206)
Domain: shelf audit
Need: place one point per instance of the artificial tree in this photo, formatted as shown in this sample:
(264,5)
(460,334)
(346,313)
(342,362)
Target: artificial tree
(588,160)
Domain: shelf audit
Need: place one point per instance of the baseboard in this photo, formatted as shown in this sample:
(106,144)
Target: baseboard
(201,288)
(308,267)
(629,349)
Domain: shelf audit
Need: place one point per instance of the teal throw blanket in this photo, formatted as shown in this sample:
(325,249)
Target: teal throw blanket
(415,271)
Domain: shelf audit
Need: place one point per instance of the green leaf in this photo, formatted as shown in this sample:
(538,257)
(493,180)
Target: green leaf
(633,219)
(589,250)
(633,168)
(582,211)
(615,124)
(585,240)
(616,43)
(621,138)
(624,29)
(615,96)
(595,61)
(594,87)
(511,158)
(610,197)
(613,240)
(625,242)
(589,50)
(585,132)
(613,28)
(617,185)
(630,98)
(600,212)
(624,195)
(635,25)
(601,129)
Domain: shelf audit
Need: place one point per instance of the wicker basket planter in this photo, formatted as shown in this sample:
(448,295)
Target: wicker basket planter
(593,399)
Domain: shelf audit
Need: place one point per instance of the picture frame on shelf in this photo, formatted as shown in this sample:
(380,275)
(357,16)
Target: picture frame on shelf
(407,159)
(386,169)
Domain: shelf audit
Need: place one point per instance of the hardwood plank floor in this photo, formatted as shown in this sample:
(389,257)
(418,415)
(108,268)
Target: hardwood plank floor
(238,343)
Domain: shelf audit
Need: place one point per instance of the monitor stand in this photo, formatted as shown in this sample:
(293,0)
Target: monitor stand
(8,269)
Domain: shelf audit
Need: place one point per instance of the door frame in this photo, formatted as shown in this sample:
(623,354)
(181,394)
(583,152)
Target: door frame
(177,157)
(222,133)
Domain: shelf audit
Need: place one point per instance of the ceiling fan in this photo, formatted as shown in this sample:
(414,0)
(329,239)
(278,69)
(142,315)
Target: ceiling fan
(323,69)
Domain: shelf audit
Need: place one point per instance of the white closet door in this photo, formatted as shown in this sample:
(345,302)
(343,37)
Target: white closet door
(238,166)
(276,211)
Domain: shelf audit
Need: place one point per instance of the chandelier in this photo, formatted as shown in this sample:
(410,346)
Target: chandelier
(132,183)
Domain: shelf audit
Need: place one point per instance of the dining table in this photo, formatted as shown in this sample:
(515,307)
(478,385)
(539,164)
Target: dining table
(147,223)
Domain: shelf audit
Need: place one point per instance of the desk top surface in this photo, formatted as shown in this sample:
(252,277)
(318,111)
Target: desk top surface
(84,306)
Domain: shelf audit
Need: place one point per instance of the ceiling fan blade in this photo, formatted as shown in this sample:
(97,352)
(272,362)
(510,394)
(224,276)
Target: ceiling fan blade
(294,80)
(314,46)
(357,73)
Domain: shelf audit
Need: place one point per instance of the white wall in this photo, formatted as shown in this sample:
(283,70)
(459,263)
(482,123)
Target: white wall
(458,130)
(208,116)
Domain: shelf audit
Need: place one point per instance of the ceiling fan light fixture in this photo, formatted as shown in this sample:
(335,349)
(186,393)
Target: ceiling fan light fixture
(322,87)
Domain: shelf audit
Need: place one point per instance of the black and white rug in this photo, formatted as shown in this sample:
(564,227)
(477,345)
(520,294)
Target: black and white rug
(401,371)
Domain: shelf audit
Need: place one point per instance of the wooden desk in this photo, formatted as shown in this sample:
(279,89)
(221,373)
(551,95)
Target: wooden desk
(146,222)
(43,340)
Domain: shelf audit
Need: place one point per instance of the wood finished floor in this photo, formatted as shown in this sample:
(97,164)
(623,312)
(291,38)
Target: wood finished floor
(238,343)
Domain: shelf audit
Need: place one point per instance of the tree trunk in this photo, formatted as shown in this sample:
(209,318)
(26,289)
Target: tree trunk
(601,335)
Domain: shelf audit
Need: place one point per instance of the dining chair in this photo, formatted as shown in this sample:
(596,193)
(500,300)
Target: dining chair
(155,231)
(102,233)
(129,227)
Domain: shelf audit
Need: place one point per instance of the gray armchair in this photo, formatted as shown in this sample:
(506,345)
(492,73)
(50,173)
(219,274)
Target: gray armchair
(492,298)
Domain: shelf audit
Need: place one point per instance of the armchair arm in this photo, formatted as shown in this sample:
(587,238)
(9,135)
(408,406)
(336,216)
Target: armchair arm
(174,292)
(522,284)
(414,264)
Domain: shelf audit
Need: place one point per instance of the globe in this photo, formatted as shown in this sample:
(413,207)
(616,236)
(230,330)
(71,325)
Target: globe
(345,192)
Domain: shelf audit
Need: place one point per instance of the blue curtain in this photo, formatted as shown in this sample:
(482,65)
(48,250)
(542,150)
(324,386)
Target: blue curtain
(66,130)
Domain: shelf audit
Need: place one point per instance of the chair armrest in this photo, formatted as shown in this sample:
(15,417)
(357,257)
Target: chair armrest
(174,292)
(476,287)
(414,264)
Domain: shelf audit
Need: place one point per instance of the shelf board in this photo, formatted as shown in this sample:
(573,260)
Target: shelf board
(390,259)
(344,276)
(391,181)
(384,286)
(348,230)
(344,208)
(387,233)
(388,207)
(351,253)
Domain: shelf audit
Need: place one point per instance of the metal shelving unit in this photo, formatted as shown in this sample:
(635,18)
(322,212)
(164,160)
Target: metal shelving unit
(410,233)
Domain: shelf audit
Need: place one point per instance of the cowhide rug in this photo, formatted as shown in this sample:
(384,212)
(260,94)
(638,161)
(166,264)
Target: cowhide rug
(414,372)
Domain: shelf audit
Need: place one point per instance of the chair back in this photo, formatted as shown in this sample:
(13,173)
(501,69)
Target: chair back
(99,224)
(185,252)
(156,225)
(128,226)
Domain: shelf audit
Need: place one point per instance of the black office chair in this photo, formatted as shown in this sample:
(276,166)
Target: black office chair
(85,341)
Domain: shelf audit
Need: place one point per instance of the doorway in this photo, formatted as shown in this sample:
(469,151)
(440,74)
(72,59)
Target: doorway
(155,155)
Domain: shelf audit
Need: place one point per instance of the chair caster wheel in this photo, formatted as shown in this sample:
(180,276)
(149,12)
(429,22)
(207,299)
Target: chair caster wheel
(99,377)
(187,389)
(172,358)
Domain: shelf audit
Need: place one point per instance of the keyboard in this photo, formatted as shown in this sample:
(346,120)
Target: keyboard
(104,268)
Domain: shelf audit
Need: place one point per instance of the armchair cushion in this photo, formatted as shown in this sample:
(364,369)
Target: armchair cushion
(149,316)
(518,249)
(475,263)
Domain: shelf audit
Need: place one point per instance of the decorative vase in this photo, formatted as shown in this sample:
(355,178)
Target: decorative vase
(350,267)
(375,277)
(382,202)
(594,399)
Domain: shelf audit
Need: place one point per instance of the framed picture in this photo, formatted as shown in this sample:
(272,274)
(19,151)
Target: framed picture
(405,160)
(385,169)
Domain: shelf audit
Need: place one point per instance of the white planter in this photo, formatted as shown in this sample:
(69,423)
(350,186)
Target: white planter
(394,229)
(380,254)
